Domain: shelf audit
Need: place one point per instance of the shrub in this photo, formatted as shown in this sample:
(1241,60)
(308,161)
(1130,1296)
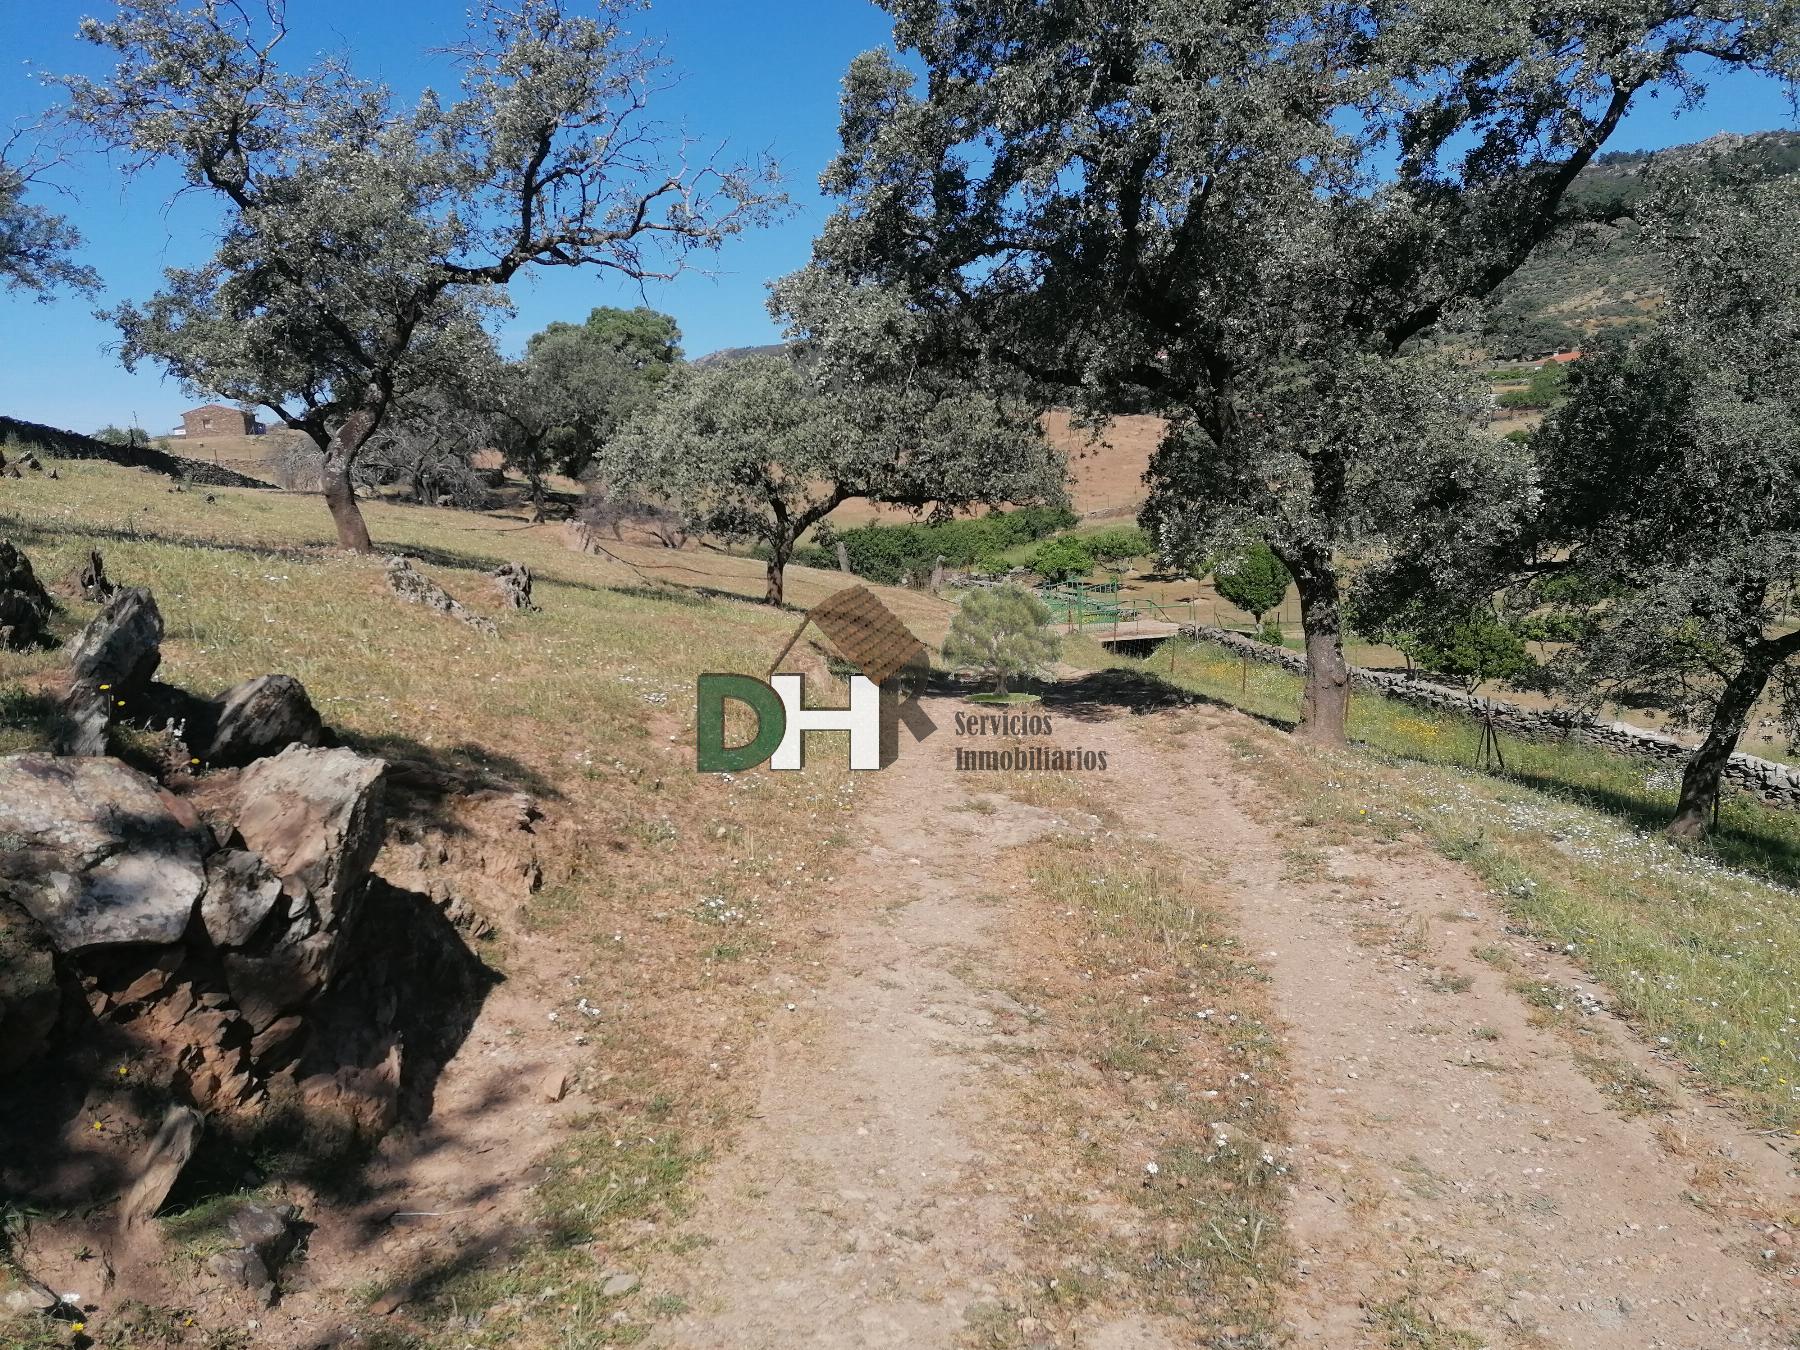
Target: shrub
(1061,559)
(1255,580)
(1004,632)
(1118,543)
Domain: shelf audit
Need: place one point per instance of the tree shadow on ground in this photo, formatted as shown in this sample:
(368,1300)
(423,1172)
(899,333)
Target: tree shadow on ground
(1098,694)
(69,1136)
(1772,858)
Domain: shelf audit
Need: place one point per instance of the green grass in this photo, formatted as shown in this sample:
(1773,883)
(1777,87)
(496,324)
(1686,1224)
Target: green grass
(1698,947)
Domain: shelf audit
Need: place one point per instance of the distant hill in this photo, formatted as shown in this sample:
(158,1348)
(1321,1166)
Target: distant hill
(18,436)
(1599,276)
(726,355)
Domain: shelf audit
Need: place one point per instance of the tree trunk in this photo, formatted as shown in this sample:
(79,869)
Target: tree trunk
(1325,700)
(1705,770)
(340,490)
(778,556)
(843,555)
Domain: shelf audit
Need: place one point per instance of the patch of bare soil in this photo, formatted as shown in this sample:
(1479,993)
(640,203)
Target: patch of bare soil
(874,1198)
(1466,1174)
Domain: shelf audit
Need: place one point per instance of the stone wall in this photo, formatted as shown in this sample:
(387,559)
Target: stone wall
(1776,784)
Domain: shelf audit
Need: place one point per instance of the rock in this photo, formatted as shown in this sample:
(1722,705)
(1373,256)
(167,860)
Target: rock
(618,1284)
(25,606)
(169,1152)
(266,1230)
(554,1085)
(243,1267)
(414,586)
(121,646)
(100,858)
(513,580)
(241,892)
(392,1301)
(279,1044)
(316,817)
(31,999)
(91,581)
(257,718)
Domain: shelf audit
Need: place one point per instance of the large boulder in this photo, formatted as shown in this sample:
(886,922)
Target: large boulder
(316,817)
(25,606)
(96,852)
(122,645)
(256,718)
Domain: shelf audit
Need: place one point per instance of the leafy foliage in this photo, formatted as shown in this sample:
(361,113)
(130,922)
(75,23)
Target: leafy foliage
(886,553)
(1170,209)
(1256,581)
(1003,631)
(35,243)
(353,229)
(758,450)
(1470,649)
(1119,543)
(1668,480)
(1062,559)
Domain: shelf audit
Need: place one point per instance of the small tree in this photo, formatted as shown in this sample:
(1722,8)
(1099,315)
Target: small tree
(1061,559)
(1118,544)
(1004,632)
(758,450)
(1469,649)
(1256,581)
(352,227)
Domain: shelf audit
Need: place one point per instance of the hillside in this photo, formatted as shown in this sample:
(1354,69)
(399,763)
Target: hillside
(1598,276)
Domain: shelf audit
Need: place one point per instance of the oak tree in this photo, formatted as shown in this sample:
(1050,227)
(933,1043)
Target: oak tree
(353,224)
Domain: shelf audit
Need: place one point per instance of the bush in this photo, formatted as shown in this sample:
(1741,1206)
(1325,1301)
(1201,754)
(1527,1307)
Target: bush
(1470,649)
(1255,581)
(1118,543)
(1002,631)
(885,553)
(1061,559)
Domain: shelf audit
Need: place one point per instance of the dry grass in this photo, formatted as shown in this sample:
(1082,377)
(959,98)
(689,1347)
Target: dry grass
(671,893)
(1151,1109)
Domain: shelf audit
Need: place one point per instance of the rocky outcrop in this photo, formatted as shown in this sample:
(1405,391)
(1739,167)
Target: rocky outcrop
(99,855)
(25,606)
(207,941)
(1775,784)
(256,718)
(415,587)
(513,581)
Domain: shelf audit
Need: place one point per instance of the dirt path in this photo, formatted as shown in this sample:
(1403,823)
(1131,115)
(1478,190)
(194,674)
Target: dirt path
(860,1208)
(1459,1181)
(1456,1171)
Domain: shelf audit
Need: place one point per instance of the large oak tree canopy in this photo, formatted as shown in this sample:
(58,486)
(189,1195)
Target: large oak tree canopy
(352,223)
(1217,211)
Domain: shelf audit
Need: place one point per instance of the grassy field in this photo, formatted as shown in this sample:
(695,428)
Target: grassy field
(668,889)
(1699,948)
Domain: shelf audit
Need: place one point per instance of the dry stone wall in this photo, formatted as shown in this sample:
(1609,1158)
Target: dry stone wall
(1776,784)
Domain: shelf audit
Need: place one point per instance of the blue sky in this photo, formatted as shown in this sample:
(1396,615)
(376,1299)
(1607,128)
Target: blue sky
(759,76)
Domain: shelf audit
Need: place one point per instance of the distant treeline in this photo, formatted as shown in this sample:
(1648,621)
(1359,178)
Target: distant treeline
(886,553)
